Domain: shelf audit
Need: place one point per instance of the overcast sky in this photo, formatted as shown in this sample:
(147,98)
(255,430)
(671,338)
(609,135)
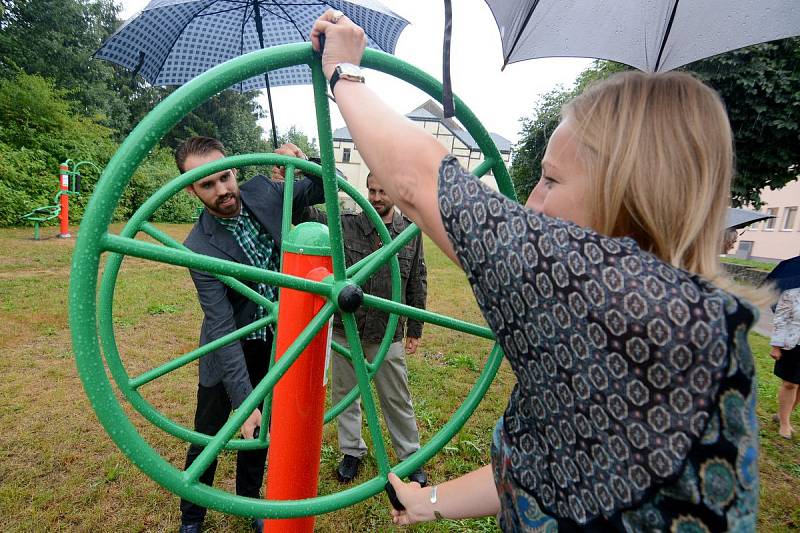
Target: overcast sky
(498,99)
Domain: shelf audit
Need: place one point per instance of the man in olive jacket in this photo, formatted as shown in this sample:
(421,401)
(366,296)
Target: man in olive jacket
(391,381)
(241,225)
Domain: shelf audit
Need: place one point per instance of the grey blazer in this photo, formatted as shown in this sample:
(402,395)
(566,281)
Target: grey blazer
(225,310)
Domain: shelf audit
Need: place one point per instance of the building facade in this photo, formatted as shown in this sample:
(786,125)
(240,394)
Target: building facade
(776,238)
(428,116)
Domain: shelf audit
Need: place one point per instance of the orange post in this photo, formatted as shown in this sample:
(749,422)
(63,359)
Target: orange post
(63,216)
(298,403)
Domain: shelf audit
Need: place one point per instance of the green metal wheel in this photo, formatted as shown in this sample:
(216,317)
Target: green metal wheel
(91,311)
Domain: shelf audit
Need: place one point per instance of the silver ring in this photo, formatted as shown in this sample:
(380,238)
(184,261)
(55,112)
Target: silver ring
(337,15)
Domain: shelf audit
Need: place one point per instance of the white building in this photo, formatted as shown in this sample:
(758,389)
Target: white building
(776,238)
(430,117)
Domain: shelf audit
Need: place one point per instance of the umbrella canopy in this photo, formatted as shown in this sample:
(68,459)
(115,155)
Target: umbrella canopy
(786,275)
(650,35)
(741,218)
(172,41)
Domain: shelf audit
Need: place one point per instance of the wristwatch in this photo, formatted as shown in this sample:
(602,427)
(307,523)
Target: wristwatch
(346,71)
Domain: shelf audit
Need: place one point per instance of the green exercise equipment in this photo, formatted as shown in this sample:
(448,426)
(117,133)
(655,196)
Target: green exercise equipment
(91,308)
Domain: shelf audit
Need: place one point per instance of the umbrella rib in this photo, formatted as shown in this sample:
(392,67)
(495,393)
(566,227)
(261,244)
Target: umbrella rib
(519,35)
(221,11)
(666,35)
(290,20)
(241,41)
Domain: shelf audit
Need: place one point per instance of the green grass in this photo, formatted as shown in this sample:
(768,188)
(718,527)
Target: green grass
(758,265)
(60,471)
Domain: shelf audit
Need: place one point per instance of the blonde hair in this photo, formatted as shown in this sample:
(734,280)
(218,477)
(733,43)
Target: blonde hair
(659,152)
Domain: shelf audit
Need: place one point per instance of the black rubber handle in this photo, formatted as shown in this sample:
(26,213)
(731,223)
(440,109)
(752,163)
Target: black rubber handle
(395,501)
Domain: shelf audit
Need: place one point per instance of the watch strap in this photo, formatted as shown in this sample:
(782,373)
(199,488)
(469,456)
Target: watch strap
(334,79)
(337,76)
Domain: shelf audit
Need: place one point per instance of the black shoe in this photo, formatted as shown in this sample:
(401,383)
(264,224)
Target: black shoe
(191,527)
(348,468)
(419,476)
(257,525)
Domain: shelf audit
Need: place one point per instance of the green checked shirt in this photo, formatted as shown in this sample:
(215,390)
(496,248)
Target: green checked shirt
(260,249)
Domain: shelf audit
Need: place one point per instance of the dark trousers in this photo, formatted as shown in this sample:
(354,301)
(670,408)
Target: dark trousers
(213,409)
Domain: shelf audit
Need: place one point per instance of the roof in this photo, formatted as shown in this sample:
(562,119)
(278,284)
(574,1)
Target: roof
(430,111)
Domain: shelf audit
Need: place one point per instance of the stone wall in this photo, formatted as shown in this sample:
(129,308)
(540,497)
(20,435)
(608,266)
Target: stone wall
(745,274)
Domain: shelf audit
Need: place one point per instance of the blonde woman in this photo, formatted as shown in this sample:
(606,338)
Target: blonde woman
(786,352)
(635,405)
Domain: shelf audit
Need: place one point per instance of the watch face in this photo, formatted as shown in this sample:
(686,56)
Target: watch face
(350,71)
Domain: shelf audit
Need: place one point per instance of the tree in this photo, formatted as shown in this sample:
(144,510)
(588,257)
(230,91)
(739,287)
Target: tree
(38,130)
(760,86)
(298,138)
(56,39)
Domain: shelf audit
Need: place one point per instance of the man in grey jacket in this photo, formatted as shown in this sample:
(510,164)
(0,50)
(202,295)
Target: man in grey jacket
(391,381)
(241,225)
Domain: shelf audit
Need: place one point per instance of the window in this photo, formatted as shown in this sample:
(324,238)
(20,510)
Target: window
(789,216)
(346,155)
(769,224)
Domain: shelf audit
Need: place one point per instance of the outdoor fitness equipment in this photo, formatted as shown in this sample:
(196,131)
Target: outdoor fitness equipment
(69,185)
(92,326)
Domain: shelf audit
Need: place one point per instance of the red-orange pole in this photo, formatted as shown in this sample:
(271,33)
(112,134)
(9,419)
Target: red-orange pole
(298,403)
(63,215)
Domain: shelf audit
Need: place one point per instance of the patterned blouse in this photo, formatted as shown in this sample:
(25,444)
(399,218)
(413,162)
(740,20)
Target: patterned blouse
(634,408)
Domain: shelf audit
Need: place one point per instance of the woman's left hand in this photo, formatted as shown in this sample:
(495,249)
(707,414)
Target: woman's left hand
(775,353)
(344,40)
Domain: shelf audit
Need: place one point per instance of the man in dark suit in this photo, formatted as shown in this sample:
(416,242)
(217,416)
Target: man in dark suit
(241,225)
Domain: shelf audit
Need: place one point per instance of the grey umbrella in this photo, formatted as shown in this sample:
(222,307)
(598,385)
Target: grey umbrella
(741,218)
(650,35)
(172,41)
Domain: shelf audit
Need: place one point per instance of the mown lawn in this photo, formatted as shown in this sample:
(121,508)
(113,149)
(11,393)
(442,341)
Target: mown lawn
(60,471)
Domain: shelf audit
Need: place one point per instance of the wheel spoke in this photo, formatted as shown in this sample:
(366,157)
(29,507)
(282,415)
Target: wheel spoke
(288,203)
(320,85)
(361,271)
(341,350)
(423,315)
(150,375)
(367,400)
(457,420)
(212,265)
(484,167)
(229,429)
(233,283)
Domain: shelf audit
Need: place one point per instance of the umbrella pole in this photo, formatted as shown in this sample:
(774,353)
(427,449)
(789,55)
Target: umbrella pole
(260,31)
(271,114)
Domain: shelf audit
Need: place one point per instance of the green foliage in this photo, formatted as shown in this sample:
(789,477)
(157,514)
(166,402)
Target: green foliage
(57,102)
(760,86)
(56,39)
(38,130)
(158,169)
(301,140)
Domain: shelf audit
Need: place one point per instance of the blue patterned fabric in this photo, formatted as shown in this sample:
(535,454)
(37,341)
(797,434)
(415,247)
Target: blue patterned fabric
(181,39)
(634,408)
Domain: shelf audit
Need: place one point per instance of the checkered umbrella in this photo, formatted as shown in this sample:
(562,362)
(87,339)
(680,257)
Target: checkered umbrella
(171,41)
